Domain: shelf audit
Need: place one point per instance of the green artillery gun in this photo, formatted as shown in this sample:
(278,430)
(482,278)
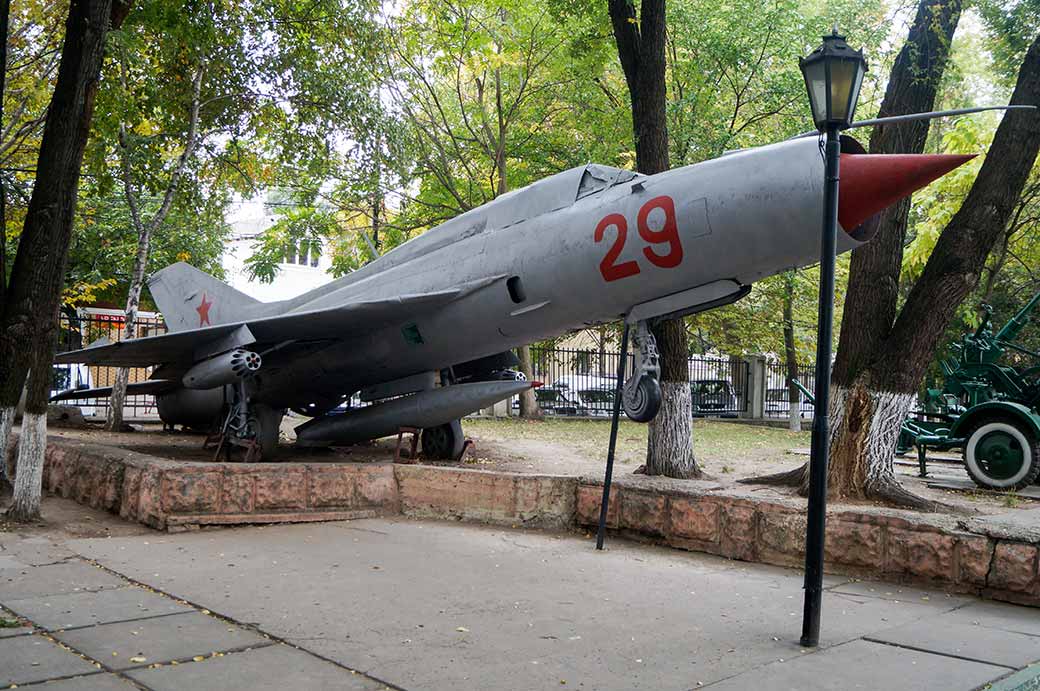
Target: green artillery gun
(987,408)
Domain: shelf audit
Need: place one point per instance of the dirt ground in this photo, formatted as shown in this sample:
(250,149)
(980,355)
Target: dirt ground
(726,452)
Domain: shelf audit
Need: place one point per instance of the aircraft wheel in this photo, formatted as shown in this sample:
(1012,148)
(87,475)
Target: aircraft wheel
(266,422)
(643,402)
(443,442)
(1002,455)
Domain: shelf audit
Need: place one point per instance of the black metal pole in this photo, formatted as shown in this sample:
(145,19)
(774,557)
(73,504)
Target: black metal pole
(818,457)
(622,361)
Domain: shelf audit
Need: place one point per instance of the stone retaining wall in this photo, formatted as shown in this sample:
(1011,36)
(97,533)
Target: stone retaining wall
(976,555)
(890,545)
(172,495)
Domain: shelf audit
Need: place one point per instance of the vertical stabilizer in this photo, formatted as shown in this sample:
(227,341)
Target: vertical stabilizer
(191,299)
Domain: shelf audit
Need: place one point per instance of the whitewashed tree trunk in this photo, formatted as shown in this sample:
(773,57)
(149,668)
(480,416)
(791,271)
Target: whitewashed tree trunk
(6,423)
(528,402)
(28,481)
(864,428)
(794,417)
(670,434)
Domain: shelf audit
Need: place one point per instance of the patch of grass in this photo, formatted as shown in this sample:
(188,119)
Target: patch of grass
(1012,500)
(711,438)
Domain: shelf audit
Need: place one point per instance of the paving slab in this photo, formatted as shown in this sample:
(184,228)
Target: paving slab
(25,659)
(437,605)
(273,668)
(176,637)
(941,635)
(902,593)
(864,665)
(997,615)
(54,579)
(95,682)
(100,607)
(10,632)
(1023,524)
(9,562)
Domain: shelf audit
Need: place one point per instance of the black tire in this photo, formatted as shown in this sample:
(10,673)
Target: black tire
(443,442)
(1001,454)
(643,405)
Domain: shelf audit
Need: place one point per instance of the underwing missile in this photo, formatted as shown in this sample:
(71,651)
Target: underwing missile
(227,368)
(428,408)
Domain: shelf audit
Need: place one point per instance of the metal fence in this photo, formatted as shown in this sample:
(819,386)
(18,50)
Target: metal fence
(582,383)
(80,330)
(777,401)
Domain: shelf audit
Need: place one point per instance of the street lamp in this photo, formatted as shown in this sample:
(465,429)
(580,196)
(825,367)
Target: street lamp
(833,76)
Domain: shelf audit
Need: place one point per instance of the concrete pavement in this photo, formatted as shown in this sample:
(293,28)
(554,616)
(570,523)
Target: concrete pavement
(433,605)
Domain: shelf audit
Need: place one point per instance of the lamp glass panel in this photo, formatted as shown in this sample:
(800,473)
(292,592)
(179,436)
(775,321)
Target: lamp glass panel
(816,80)
(843,79)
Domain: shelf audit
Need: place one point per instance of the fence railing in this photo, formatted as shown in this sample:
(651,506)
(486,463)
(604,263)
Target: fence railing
(582,382)
(777,400)
(79,331)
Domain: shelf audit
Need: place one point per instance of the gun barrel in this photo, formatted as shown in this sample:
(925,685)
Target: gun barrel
(1010,331)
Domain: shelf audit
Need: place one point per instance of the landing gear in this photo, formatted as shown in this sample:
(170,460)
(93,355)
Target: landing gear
(251,426)
(642,393)
(443,442)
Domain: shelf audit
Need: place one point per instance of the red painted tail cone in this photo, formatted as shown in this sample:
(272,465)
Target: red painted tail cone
(872,182)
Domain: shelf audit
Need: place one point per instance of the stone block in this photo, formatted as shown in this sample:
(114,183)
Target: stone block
(131,490)
(285,489)
(588,502)
(643,512)
(545,501)
(694,519)
(236,493)
(854,544)
(974,555)
(187,491)
(738,531)
(781,535)
(376,485)
(149,499)
(1014,567)
(920,554)
(333,487)
(451,493)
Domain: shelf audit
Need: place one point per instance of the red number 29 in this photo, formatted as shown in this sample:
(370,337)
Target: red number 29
(667,235)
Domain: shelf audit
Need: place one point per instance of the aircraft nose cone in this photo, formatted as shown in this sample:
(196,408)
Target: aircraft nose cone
(872,182)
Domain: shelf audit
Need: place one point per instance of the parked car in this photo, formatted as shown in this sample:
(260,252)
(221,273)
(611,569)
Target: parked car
(713,397)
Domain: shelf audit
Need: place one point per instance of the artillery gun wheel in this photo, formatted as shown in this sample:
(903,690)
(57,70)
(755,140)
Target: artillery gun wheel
(1000,454)
(443,442)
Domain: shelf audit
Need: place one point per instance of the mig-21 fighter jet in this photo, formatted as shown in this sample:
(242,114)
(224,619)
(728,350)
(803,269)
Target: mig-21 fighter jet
(423,327)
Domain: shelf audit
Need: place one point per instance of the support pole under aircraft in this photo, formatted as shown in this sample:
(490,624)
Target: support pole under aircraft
(618,392)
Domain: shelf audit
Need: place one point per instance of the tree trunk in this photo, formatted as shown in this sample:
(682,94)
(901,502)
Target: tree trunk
(794,395)
(872,295)
(34,294)
(32,443)
(114,423)
(641,51)
(6,423)
(528,401)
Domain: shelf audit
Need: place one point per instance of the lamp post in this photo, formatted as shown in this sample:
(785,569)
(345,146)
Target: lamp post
(833,75)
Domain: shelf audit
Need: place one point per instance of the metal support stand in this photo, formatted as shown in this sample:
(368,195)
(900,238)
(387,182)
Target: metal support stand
(622,362)
(815,529)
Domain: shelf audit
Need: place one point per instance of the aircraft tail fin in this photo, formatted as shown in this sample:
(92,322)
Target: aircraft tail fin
(189,298)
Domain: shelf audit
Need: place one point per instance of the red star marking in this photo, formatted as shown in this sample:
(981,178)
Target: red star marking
(203,310)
